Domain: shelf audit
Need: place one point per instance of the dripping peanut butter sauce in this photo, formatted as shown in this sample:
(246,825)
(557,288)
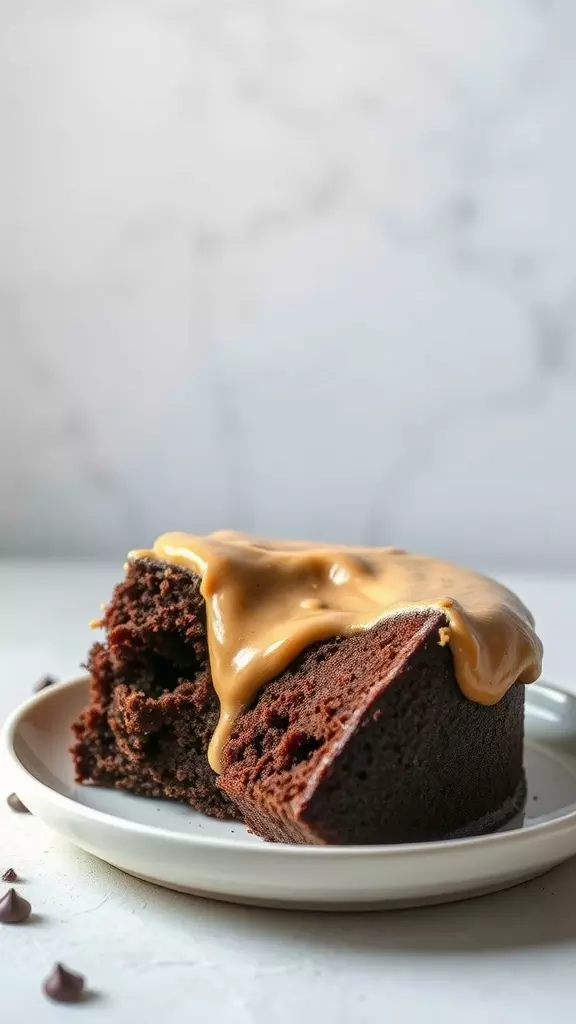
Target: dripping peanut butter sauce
(268,600)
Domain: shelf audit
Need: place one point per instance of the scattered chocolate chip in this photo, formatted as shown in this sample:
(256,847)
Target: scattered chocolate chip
(14,909)
(16,804)
(9,875)
(44,682)
(64,986)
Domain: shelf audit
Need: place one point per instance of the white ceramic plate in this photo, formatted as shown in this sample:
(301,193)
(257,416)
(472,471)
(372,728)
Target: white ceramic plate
(173,846)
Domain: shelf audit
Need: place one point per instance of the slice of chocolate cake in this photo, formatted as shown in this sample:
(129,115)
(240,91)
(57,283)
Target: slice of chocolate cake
(322,694)
(369,739)
(153,708)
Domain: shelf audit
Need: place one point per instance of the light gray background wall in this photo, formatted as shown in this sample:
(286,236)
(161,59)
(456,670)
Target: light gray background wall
(303,268)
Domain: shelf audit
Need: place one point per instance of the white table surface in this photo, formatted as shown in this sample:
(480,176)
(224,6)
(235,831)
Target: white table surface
(154,955)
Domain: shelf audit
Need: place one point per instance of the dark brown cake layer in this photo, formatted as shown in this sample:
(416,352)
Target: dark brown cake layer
(368,739)
(153,708)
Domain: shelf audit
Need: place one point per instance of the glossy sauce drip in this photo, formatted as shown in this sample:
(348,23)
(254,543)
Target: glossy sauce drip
(268,600)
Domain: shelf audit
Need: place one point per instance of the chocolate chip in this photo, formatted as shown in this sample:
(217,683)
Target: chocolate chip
(16,804)
(44,682)
(9,875)
(14,909)
(64,986)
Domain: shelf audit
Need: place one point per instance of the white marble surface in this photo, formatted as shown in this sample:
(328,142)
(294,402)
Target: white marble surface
(300,268)
(153,955)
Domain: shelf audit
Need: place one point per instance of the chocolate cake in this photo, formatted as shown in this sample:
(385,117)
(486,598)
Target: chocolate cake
(369,739)
(153,708)
(323,695)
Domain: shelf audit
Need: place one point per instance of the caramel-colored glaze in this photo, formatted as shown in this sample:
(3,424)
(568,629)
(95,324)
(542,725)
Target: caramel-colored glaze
(268,600)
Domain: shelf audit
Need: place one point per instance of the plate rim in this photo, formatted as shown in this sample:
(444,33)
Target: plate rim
(16,769)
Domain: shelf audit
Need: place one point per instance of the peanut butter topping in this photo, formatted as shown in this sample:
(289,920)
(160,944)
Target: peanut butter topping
(268,600)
